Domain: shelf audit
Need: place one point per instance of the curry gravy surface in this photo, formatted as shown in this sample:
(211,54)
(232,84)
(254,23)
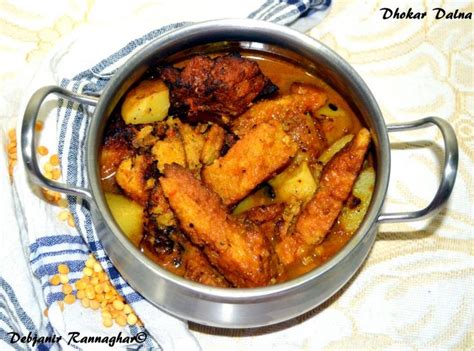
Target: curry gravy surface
(283,73)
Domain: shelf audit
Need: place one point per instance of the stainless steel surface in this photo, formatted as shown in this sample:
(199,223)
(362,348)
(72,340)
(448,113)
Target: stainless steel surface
(235,308)
(240,307)
(28,139)
(450,168)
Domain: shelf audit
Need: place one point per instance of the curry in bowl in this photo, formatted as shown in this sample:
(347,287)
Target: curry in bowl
(236,170)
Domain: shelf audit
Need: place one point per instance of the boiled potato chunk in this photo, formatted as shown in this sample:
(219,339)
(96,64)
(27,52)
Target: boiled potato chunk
(335,122)
(296,182)
(261,197)
(146,103)
(128,214)
(337,146)
(351,216)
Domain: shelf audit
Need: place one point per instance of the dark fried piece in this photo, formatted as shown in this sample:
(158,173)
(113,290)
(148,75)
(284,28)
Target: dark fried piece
(131,176)
(159,245)
(116,146)
(111,155)
(251,161)
(197,267)
(268,219)
(292,110)
(146,135)
(223,85)
(261,214)
(241,253)
(158,209)
(118,130)
(159,229)
(319,214)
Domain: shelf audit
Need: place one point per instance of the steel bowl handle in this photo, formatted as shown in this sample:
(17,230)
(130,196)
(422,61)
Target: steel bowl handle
(450,169)
(28,138)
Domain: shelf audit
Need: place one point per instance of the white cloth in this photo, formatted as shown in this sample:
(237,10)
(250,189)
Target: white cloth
(415,290)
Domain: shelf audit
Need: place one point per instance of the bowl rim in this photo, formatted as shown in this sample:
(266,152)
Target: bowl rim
(246,29)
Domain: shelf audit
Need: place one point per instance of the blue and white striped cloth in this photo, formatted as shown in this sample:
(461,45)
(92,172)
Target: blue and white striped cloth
(47,249)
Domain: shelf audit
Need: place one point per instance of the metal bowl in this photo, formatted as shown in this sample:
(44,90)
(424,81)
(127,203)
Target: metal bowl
(238,308)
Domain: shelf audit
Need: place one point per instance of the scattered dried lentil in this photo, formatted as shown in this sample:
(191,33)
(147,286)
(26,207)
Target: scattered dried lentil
(95,291)
(63,269)
(69,299)
(55,174)
(42,150)
(55,280)
(11,152)
(67,289)
(70,222)
(54,160)
(39,126)
(63,278)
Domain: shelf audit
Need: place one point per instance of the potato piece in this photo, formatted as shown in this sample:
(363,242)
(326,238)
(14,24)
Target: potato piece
(262,197)
(351,216)
(128,214)
(168,151)
(335,148)
(146,103)
(335,122)
(296,182)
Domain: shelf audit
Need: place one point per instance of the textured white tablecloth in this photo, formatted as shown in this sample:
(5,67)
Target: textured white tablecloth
(415,291)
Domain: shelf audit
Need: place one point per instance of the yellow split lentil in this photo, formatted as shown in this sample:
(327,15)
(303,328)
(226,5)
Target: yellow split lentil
(107,322)
(39,126)
(70,222)
(62,203)
(55,280)
(48,167)
(118,305)
(42,150)
(63,215)
(132,319)
(11,152)
(85,302)
(69,299)
(55,174)
(63,269)
(63,278)
(95,291)
(80,294)
(121,320)
(54,160)
(12,134)
(67,289)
